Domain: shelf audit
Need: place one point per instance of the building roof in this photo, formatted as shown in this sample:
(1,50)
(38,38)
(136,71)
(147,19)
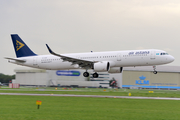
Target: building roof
(150,68)
(29,70)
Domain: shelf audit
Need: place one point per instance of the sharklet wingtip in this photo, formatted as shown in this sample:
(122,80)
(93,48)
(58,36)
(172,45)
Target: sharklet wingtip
(49,49)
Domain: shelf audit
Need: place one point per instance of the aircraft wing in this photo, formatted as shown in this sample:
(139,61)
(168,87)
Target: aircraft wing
(19,60)
(82,63)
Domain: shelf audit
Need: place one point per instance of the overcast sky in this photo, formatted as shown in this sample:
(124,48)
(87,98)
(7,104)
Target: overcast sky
(71,26)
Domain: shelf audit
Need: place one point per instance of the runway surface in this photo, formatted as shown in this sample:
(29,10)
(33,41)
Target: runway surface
(97,96)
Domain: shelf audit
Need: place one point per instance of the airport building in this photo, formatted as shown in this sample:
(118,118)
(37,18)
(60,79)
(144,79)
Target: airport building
(168,77)
(39,77)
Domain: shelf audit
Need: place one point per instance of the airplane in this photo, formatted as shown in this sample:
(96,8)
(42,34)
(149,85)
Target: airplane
(111,61)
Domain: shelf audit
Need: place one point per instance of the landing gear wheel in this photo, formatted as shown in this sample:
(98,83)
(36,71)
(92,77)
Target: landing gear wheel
(95,75)
(155,72)
(86,74)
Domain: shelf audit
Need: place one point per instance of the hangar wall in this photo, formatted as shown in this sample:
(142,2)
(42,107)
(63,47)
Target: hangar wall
(33,77)
(167,77)
(63,78)
(149,80)
(30,77)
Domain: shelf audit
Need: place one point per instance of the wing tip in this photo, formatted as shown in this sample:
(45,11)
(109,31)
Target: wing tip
(49,48)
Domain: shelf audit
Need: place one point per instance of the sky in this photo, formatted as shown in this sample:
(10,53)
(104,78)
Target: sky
(70,26)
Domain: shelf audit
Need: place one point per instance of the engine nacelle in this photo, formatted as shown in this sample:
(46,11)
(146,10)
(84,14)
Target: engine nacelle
(116,70)
(76,66)
(101,66)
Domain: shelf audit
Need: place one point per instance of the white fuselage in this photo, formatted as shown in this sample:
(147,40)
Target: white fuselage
(115,58)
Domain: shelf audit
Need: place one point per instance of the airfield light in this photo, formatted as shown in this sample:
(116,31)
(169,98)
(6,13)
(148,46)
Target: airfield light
(151,91)
(56,88)
(38,103)
(129,94)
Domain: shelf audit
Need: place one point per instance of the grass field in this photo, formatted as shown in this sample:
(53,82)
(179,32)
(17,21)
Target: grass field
(77,108)
(80,108)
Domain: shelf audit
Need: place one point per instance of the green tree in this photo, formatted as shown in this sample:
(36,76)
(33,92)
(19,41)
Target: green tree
(6,78)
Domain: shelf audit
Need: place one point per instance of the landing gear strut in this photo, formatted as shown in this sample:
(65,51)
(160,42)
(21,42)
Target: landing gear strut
(154,68)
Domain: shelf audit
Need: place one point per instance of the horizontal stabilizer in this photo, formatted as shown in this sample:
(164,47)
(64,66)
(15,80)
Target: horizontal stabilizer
(19,60)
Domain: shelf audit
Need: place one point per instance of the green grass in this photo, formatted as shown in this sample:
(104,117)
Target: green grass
(80,108)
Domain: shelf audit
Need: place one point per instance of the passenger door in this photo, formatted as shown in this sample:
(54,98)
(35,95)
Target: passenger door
(118,57)
(35,61)
(152,55)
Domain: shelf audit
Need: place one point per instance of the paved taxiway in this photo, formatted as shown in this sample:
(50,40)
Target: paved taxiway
(99,96)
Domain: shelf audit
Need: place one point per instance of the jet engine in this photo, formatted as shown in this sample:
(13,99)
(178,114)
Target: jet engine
(101,66)
(116,70)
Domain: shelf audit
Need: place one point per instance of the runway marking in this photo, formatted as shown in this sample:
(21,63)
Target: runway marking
(96,96)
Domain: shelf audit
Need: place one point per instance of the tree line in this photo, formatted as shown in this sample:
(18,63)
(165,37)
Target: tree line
(6,78)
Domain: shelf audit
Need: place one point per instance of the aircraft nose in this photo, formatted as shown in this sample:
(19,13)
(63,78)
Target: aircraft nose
(171,58)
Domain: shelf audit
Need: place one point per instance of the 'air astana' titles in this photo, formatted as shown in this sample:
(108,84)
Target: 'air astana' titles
(139,52)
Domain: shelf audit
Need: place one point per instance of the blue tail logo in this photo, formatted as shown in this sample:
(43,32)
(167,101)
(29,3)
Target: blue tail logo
(19,45)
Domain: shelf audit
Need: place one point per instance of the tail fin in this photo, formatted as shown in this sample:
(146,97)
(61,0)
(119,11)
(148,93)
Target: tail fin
(21,49)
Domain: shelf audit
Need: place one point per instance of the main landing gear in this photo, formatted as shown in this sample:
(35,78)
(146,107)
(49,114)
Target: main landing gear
(95,75)
(154,68)
(86,74)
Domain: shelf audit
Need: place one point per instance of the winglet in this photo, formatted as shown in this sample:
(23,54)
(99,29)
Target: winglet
(49,49)
(54,52)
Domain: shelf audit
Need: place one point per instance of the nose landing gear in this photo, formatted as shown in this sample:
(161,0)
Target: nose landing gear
(155,72)
(154,68)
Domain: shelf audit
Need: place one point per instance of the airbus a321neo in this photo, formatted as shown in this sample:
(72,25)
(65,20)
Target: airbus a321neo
(111,62)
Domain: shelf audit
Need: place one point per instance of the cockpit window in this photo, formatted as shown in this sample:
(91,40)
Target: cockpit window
(164,54)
